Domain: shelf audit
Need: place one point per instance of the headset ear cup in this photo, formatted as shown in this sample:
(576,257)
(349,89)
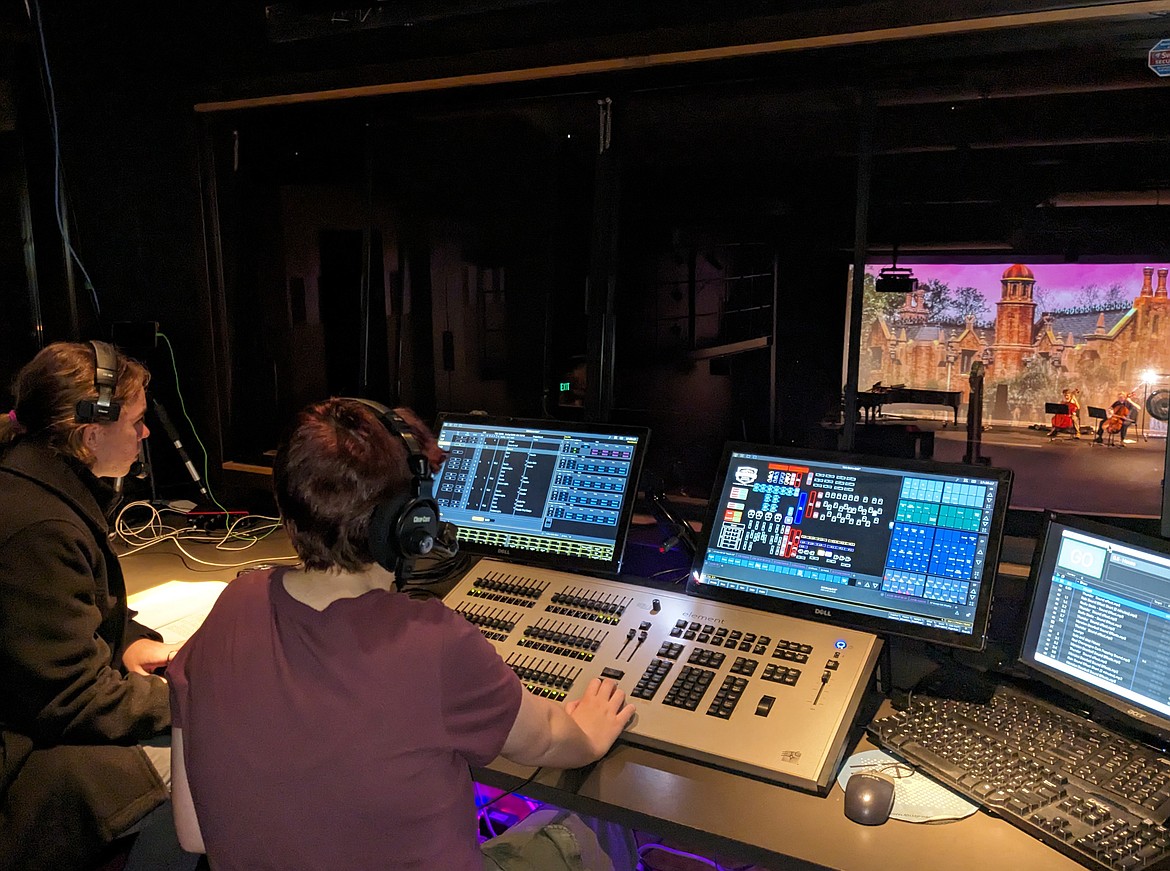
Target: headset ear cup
(383,534)
(105,382)
(419,527)
(401,528)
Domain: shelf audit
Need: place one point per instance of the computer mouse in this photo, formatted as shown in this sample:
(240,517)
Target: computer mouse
(869,797)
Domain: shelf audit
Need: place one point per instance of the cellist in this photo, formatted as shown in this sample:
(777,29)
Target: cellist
(1121,417)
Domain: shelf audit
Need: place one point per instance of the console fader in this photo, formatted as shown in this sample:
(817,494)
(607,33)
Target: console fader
(766,694)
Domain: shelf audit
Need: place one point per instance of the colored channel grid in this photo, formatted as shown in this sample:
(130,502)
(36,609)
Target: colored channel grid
(948,493)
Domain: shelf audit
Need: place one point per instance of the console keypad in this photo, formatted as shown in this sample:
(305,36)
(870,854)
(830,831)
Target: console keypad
(688,688)
(781,674)
(728,697)
(651,679)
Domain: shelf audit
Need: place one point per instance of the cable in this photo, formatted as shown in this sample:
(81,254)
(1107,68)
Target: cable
(54,129)
(528,780)
(682,577)
(485,818)
(190,423)
(646,848)
(441,572)
(135,536)
(176,539)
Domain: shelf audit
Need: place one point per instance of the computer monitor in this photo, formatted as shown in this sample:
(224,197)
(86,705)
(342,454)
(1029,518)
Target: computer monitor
(543,492)
(1099,623)
(902,547)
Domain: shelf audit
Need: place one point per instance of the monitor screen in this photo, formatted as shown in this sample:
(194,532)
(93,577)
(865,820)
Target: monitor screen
(899,547)
(545,492)
(1099,622)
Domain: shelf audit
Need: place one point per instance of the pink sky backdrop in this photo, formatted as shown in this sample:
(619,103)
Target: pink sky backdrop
(1061,281)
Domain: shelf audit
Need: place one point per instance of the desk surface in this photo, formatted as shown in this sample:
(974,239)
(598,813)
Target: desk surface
(166,562)
(739,818)
(695,805)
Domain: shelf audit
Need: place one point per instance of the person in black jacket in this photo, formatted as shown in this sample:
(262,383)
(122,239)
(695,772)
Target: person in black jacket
(79,694)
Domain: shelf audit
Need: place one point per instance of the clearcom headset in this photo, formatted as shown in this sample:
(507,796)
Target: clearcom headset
(105,379)
(406,525)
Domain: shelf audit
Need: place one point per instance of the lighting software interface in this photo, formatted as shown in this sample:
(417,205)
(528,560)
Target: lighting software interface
(901,546)
(537,488)
(1100,618)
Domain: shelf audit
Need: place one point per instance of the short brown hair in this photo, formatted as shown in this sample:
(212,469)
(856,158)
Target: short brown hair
(49,387)
(332,470)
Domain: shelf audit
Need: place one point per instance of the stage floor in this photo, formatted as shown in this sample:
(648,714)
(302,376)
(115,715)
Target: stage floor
(1070,474)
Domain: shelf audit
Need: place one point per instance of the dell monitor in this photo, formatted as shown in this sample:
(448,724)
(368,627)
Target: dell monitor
(1098,627)
(900,547)
(544,492)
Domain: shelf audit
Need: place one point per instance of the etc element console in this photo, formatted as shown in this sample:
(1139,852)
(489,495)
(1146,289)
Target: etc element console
(766,694)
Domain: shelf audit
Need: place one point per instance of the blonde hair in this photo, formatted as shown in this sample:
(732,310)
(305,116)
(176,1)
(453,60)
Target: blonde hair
(48,389)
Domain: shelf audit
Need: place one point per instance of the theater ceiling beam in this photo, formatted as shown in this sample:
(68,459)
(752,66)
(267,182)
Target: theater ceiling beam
(1072,15)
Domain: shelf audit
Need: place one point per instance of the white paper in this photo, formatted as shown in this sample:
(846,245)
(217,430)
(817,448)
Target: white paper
(177,608)
(917,798)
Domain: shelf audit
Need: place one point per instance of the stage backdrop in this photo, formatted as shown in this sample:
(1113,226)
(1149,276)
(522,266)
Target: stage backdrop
(1097,329)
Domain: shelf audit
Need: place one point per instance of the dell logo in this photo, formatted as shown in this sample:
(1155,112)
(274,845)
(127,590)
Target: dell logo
(822,612)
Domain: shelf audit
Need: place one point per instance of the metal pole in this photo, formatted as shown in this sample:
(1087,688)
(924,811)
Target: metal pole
(601,357)
(860,243)
(774,353)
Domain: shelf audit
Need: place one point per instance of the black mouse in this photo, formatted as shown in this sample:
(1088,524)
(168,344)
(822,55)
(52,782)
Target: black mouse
(869,797)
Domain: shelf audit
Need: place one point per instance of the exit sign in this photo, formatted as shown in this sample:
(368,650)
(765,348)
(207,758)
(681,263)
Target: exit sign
(566,387)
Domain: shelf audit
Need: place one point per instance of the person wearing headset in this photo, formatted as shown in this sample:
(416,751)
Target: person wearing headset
(322,719)
(79,693)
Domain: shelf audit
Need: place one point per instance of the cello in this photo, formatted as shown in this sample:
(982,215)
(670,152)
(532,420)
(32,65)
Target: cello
(1066,420)
(1121,409)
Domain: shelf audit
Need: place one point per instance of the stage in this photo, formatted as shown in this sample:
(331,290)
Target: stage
(1065,473)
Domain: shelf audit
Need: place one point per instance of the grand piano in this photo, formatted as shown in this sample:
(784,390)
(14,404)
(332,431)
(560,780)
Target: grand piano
(872,400)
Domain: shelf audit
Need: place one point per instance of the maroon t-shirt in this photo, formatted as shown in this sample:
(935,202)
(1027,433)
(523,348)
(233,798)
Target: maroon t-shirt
(338,739)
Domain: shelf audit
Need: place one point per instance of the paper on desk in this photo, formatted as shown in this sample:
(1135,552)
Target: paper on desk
(917,798)
(175,609)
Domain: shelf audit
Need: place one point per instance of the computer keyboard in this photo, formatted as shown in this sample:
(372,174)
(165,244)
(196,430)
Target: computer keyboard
(1091,793)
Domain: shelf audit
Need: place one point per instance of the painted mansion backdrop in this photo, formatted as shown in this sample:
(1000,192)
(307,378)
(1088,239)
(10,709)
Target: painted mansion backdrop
(1099,329)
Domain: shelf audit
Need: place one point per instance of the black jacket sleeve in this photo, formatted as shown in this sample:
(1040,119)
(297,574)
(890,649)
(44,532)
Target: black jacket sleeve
(58,672)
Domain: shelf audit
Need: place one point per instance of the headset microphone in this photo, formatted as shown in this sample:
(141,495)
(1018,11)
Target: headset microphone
(446,545)
(140,468)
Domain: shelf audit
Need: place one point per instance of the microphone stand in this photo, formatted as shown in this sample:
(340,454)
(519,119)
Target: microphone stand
(679,532)
(173,435)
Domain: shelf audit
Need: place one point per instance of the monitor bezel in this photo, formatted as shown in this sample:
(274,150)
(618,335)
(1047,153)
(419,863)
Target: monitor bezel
(1103,706)
(884,626)
(561,562)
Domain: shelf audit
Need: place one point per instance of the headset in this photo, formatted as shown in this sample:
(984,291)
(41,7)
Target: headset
(406,525)
(105,380)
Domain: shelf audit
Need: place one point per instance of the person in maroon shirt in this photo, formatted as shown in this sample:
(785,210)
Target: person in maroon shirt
(321,719)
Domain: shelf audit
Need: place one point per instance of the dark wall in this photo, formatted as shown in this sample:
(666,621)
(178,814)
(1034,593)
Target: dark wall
(121,75)
(972,138)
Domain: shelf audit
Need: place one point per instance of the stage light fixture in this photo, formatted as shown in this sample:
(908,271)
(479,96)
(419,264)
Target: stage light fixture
(893,279)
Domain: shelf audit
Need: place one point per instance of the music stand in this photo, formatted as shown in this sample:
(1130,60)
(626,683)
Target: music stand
(1056,408)
(1098,413)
